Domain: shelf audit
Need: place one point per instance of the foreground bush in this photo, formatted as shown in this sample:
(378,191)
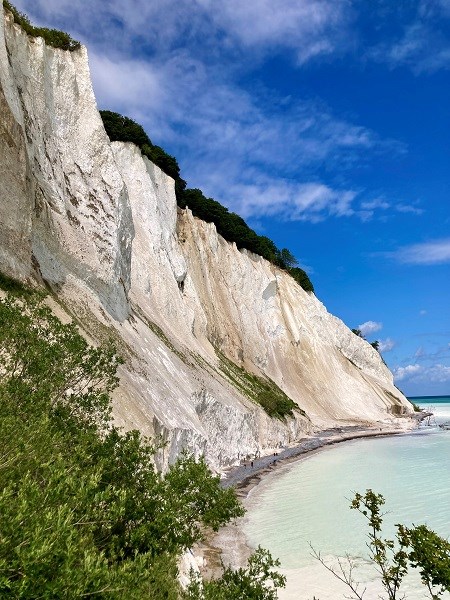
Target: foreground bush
(416,547)
(83,512)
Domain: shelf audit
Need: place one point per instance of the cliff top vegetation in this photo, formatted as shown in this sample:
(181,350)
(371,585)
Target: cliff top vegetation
(52,37)
(229,225)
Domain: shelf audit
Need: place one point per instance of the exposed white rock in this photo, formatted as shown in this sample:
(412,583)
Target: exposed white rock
(100,224)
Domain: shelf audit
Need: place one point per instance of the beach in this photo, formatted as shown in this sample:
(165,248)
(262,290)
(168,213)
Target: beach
(230,546)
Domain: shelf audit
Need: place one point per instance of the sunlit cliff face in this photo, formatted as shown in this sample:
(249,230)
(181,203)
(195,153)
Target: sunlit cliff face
(194,317)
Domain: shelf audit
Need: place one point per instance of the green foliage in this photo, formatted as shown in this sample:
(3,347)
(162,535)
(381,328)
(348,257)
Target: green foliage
(392,561)
(259,581)
(429,553)
(47,363)
(286,259)
(418,547)
(301,277)
(263,391)
(83,512)
(229,225)
(52,37)
(123,129)
(14,287)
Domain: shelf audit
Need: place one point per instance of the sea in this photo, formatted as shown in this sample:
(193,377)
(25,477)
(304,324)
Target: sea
(303,508)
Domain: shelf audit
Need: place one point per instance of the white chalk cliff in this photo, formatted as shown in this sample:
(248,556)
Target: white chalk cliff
(98,223)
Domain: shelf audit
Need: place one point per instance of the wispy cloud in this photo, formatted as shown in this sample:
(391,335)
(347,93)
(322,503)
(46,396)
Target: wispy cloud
(376,203)
(437,354)
(424,44)
(309,27)
(123,83)
(177,68)
(415,373)
(290,200)
(379,207)
(409,208)
(428,253)
(386,345)
(370,327)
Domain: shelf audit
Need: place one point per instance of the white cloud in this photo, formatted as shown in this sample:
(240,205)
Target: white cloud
(402,373)
(376,203)
(125,83)
(437,353)
(289,200)
(438,373)
(429,253)
(419,352)
(386,345)
(408,208)
(422,312)
(176,67)
(424,44)
(369,327)
(309,27)
(367,208)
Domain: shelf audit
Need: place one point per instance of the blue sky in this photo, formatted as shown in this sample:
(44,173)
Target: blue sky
(324,123)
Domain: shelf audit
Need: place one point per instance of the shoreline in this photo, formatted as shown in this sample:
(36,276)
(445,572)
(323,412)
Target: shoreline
(229,545)
(245,478)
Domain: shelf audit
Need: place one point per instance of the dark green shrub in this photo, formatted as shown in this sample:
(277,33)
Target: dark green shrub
(274,404)
(52,37)
(13,286)
(301,277)
(259,581)
(261,390)
(83,512)
(124,129)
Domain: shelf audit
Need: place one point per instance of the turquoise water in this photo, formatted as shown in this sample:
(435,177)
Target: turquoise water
(309,502)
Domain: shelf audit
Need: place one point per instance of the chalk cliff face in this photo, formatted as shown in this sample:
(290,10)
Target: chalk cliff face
(192,315)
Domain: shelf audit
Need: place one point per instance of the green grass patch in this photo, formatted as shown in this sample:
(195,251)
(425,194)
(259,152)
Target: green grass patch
(16,287)
(261,390)
(52,37)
